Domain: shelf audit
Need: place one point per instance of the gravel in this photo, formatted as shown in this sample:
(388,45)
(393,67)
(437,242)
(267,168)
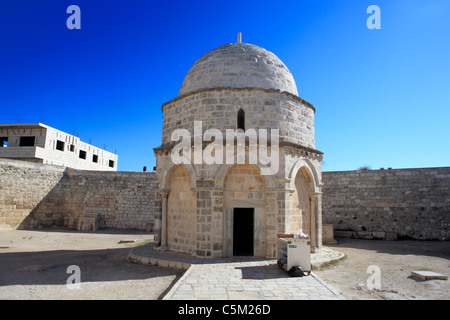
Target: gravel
(395,261)
(34,265)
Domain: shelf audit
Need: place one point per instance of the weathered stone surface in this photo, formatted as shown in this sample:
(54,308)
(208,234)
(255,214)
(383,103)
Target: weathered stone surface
(390,236)
(410,203)
(38,195)
(428,275)
(344,234)
(293,116)
(239,65)
(89,222)
(328,234)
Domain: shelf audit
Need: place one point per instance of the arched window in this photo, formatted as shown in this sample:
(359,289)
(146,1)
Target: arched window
(241,119)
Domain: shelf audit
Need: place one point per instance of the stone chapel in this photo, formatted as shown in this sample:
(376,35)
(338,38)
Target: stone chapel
(232,209)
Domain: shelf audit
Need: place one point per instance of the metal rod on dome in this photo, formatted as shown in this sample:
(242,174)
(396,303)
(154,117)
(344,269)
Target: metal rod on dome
(239,39)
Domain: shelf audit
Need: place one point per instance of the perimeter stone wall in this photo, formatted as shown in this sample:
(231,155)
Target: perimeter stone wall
(38,195)
(409,203)
(413,203)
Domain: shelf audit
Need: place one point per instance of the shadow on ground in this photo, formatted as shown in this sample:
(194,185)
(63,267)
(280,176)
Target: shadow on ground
(439,249)
(50,267)
(271,271)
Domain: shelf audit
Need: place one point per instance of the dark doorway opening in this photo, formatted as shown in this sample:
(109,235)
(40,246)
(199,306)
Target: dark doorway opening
(243,231)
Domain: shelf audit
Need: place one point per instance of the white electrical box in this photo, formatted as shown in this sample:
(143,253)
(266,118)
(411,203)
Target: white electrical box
(298,252)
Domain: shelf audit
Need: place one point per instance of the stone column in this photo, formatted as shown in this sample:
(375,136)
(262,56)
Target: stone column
(283,221)
(312,221)
(319,220)
(164,196)
(316,221)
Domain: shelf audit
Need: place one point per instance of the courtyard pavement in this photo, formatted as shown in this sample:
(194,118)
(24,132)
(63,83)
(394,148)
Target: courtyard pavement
(239,278)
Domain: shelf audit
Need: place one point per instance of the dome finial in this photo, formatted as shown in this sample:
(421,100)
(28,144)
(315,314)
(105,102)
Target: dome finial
(239,39)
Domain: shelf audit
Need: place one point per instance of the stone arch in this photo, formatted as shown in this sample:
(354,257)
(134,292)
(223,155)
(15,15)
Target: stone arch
(308,167)
(244,187)
(223,170)
(170,167)
(244,178)
(300,203)
(181,211)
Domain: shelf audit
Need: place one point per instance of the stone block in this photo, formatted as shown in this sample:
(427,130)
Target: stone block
(428,275)
(379,235)
(345,234)
(328,234)
(89,222)
(364,235)
(391,236)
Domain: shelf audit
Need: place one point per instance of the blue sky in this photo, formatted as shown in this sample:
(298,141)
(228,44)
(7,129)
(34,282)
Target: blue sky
(382,96)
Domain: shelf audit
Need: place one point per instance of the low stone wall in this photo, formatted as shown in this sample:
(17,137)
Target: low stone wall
(58,196)
(374,204)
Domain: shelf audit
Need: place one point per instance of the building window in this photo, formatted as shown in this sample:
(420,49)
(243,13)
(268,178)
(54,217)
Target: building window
(26,141)
(82,154)
(72,148)
(59,145)
(241,119)
(95,158)
(3,142)
(111,163)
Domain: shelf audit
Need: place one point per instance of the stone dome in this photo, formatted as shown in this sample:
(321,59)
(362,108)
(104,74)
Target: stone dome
(239,65)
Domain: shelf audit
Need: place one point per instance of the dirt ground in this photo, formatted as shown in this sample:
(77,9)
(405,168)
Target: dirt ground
(33,265)
(396,260)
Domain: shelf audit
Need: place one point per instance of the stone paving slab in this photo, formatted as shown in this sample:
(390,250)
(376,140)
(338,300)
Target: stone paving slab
(428,275)
(253,280)
(239,278)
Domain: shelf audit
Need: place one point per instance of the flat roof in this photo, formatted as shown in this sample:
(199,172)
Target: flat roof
(39,125)
(24,125)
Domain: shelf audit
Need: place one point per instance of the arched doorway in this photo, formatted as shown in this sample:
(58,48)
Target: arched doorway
(301,217)
(244,211)
(300,210)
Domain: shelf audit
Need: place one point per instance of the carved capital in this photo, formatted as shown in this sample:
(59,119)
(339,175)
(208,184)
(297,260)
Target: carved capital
(164,193)
(314,195)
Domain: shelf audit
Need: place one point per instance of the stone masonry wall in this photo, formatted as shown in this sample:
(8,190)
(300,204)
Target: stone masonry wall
(264,109)
(23,185)
(37,195)
(181,212)
(414,203)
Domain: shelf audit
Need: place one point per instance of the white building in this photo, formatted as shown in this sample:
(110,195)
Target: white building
(37,142)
